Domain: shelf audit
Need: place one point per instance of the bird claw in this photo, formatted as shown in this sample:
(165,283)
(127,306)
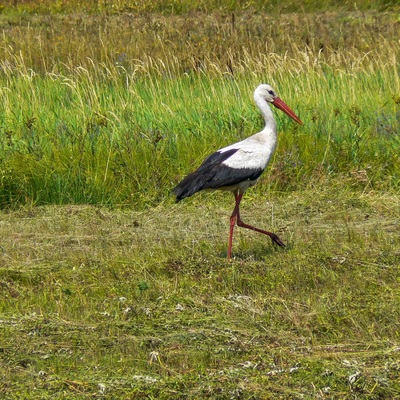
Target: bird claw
(277,240)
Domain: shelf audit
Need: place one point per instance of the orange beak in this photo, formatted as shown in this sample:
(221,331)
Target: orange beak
(286,109)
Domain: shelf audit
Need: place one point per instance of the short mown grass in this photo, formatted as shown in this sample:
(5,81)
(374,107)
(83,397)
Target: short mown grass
(122,304)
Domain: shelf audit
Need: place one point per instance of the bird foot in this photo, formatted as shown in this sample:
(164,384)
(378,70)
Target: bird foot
(277,240)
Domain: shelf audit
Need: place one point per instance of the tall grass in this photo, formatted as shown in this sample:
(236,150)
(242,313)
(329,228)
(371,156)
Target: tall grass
(123,130)
(179,7)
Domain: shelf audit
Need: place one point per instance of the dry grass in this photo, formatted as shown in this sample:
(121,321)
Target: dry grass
(168,7)
(216,42)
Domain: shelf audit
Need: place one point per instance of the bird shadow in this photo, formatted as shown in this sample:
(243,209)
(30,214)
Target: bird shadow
(255,251)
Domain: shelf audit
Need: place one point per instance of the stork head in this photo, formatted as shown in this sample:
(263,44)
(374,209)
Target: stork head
(268,94)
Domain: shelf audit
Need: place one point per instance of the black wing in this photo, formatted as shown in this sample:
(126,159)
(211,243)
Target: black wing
(212,174)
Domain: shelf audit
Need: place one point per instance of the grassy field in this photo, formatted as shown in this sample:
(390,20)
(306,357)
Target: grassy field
(122,304)
(110,290)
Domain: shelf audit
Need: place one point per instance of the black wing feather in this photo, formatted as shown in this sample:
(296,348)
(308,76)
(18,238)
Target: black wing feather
(212,174)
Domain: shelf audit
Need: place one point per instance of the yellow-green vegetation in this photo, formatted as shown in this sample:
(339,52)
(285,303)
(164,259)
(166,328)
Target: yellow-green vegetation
(169,7)
(109,290)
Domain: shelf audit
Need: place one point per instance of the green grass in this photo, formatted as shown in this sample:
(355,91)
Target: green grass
(117,119)
(147,305)
(81,140)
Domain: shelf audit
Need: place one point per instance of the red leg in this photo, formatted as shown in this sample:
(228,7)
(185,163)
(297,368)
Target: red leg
(235,218)
(235,213)
(275,238)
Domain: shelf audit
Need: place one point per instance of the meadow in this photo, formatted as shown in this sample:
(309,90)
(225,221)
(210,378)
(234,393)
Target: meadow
(109,289)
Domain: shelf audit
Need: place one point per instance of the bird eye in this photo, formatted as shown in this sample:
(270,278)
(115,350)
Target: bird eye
(271,92)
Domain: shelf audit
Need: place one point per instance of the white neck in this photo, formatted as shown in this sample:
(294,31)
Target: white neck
(265,109)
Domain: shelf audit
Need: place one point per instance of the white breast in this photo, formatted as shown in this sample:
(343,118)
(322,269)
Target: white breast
(253,153)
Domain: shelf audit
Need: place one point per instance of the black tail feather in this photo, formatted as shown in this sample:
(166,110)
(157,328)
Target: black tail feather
(203,176)
(190,185)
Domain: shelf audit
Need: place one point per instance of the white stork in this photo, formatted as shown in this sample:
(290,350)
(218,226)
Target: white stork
(238,166)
